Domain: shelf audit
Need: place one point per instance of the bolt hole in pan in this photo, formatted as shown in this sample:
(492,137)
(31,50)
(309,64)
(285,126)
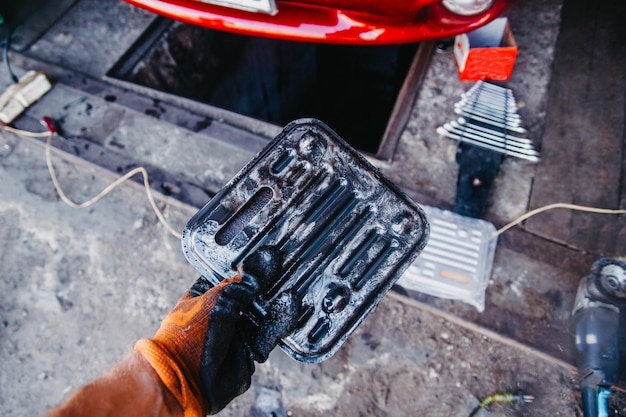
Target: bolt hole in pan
(345,233)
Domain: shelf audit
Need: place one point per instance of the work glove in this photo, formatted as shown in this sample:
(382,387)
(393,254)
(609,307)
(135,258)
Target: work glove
(205,349)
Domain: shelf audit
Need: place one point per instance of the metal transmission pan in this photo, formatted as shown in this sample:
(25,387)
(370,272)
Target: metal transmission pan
(346,233)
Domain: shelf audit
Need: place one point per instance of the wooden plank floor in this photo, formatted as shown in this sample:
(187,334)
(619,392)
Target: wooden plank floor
(582,146)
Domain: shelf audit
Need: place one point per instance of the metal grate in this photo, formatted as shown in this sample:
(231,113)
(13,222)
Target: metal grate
(489,119)
(456,263)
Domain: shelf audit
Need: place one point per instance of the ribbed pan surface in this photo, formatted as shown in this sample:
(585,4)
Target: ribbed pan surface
(345,232)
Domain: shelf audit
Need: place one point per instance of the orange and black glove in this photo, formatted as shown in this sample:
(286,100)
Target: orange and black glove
(205,349)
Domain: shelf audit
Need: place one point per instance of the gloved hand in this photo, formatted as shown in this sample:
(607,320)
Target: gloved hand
(204,350)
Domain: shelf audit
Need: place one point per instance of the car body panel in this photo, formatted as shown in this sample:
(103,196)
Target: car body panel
(328,21)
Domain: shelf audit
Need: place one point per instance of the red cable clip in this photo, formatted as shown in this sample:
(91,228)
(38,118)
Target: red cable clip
(50,124)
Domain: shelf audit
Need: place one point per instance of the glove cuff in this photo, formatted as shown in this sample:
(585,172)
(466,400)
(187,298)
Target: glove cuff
(184,391)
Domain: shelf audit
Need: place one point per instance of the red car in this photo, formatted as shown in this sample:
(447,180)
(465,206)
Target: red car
(356,22)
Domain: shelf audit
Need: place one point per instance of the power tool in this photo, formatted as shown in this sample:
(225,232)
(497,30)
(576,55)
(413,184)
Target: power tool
(600,300)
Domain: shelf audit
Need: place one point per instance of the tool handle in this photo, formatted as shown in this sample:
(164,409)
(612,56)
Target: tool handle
(595,401)
(597,345)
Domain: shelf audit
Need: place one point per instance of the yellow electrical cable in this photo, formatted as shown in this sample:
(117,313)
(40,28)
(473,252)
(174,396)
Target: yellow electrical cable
(25,132)
(105,191)
(536,211)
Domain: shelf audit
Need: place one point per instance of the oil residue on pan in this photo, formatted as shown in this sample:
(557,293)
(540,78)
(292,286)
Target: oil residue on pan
(346,234)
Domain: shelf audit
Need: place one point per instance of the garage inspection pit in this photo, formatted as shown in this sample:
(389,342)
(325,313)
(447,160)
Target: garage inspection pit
(364,93)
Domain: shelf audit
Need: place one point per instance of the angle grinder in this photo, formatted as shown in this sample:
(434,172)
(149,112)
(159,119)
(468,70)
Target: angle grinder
(600,300)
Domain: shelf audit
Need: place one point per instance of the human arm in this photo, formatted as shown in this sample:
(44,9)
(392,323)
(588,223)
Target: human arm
(201,357)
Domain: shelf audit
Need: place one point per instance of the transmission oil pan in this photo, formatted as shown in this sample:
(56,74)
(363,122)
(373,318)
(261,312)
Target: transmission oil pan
(346,233)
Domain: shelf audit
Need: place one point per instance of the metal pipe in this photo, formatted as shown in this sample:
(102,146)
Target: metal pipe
(494,134)
(498,143)
(450,135)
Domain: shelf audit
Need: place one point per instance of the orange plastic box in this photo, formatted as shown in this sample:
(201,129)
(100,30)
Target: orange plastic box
(487,53)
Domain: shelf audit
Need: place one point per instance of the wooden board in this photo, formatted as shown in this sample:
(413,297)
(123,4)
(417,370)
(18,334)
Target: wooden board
(582,147)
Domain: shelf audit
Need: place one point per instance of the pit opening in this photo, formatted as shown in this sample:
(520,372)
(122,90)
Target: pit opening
(353,89)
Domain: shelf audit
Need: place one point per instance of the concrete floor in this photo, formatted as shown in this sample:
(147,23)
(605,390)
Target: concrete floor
(79,287)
